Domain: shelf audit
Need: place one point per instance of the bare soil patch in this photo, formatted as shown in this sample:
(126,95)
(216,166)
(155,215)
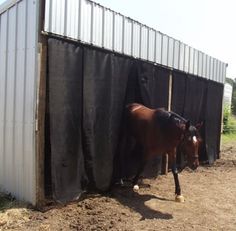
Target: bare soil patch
(210,194)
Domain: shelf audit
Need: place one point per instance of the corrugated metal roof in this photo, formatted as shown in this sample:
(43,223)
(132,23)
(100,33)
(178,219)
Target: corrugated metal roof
(18,64)
(94,24)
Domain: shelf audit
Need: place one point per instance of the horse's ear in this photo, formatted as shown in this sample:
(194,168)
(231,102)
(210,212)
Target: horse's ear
(198,125)
(187,125)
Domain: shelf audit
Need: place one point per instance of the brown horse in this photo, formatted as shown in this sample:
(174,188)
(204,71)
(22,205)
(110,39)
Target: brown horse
(157,132)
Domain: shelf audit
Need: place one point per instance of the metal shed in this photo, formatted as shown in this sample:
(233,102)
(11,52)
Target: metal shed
(24,28)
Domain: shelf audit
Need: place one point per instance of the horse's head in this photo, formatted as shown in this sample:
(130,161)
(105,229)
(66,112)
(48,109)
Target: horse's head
(190,145)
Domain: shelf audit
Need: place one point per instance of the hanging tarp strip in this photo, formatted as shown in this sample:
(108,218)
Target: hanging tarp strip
(65,74)
(213,119)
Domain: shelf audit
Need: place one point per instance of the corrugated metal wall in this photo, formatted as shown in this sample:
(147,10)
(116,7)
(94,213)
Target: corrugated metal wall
(18,53)
(228,90)
(94,24)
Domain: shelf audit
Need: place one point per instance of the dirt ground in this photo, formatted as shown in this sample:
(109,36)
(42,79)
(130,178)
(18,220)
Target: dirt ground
(210,204)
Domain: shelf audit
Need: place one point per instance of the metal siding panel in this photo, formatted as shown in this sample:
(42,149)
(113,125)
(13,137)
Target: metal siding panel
(207,66)
(18,64)
(181,65)
(108,27)
(221,73)
(127,36)
(218,71)
(72,18)
(224,72)
(164,55)
(136,39)
(19,97)
(176,54)
(3,59)
(204,65)
(170,52)
(186,58)
(144,43)
(211,75)
(191,60)
(47,21)
(199,68)
(97,25)
(195,65)
(158,47)
(30,98)
(215,70)
(118,33)
(10,90)
(151,45)
(86,21)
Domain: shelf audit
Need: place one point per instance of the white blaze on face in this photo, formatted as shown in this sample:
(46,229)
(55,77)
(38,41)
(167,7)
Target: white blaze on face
(194,139)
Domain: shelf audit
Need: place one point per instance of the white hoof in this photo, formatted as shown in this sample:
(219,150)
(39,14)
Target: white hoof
(179,198)
(136,188)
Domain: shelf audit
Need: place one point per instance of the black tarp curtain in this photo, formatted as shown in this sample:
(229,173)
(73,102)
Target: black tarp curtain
(87,90)
(87,93)
(200,100)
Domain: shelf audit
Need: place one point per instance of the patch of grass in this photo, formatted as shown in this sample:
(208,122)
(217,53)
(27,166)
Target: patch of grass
(228,137)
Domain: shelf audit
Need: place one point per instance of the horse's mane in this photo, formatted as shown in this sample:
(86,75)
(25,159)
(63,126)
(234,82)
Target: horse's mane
(177,116)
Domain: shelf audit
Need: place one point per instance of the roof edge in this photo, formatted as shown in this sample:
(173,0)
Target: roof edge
(7,4)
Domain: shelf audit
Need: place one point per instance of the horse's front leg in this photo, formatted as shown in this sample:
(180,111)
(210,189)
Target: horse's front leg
(172,159)
(176,179)
(178,196)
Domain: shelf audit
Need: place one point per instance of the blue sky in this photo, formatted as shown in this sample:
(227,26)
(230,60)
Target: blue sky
(207,25)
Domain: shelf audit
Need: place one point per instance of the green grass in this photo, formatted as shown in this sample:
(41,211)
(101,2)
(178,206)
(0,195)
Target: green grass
(228,137)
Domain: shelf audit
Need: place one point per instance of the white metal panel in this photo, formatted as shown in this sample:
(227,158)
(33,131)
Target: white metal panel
(118,33)
(86,21)
(18,65)
(108,29)
(207,66)
(136,39)
(186,58)
(72,15)
(200,62)
(97,38)
(170,52)
(151,45)
(181,65)
(195,64)
(159,37)
(128,36)
(144,43)
(9,103)
(204,65)
(228,90)
(176,54)
(94,24)
(191,60)
(164,53)
(3,74)
(211,74)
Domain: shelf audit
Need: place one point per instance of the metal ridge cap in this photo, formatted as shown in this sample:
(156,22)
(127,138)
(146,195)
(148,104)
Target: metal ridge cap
(7,5)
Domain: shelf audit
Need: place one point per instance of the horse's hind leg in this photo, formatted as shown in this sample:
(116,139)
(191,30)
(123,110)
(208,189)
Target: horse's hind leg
(141,166)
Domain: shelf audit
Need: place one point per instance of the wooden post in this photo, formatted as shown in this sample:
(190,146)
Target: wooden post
(40,109)
(165,161)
